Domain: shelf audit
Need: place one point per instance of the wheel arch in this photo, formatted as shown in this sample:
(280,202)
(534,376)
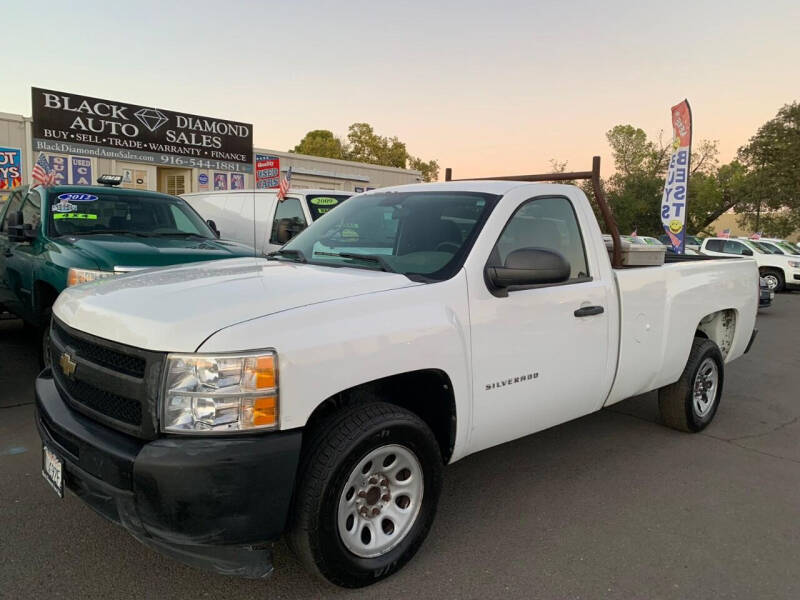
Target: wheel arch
(719,327)
(44,296)
(428,393)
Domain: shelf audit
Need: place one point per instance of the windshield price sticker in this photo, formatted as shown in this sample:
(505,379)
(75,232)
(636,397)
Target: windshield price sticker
(64,207)
(84,216)
(77,197)
(324,201)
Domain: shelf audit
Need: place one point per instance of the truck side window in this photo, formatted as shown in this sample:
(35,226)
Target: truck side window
(548,223)
(715,246)
(732,248)
(289,221)
(32,209)
(14,203)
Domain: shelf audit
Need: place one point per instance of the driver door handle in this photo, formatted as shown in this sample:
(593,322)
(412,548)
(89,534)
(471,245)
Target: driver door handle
(589,311)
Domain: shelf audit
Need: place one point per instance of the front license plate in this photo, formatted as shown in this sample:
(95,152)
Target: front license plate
(53,470)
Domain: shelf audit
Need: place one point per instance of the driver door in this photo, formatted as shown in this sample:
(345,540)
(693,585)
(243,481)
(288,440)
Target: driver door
(7,297)
(540,354)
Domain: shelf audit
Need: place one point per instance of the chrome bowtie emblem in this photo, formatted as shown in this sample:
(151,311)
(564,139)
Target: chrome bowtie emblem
(67,365)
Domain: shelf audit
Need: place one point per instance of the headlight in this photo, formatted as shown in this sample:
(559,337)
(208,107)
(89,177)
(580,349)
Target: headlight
(76,276)
(220,394)
(795,264)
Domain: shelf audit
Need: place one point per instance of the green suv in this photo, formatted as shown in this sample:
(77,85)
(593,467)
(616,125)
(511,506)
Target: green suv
(55,237)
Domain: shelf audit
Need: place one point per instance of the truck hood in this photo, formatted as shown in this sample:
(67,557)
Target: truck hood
(175,309)
(115,250)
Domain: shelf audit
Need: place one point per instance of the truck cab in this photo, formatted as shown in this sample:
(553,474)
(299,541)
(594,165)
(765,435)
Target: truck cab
(55,237)
(258,219)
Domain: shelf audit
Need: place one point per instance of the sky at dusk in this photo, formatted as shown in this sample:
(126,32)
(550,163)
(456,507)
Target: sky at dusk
(486,88)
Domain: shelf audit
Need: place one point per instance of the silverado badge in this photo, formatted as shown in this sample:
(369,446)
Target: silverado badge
(67,365)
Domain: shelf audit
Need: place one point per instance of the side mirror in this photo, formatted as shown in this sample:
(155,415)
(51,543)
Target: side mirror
(213,227)
(529,266)
(17,231)
(747,252)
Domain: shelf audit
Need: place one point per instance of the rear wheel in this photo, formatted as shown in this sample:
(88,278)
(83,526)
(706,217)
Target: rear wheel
(690,403)
(774,280)
(367,493)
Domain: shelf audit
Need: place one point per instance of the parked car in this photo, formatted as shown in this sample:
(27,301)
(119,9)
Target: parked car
(776,246)
(765,294)
(781,272)
(256,218)
(320,392)
(52,238)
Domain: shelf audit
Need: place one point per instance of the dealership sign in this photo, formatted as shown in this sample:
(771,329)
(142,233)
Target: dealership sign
(73,124)
(268,171)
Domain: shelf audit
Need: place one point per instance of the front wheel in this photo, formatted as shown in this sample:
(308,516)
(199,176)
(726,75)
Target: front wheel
(775,280)
(367,493)
(690,403)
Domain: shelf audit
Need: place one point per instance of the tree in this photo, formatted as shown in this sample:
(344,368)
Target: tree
(321,142)
(429,170)
(364,145)
(771,189)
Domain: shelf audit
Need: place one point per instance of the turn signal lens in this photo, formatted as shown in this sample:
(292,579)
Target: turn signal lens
(259,373)
(265,411)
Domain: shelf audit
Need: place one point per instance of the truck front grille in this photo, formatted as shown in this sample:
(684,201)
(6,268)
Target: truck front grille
(119,408)
(116,361)
(112,383)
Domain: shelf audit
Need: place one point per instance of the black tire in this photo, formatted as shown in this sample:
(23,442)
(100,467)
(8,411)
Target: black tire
(43,333)
(677,402)
(334,450)
(776,276)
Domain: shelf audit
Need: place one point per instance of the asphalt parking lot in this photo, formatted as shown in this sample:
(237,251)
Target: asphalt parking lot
(613,505)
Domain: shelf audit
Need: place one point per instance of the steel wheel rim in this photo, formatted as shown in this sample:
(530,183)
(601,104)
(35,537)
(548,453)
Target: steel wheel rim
(380,501)
(704,390)
(772,281)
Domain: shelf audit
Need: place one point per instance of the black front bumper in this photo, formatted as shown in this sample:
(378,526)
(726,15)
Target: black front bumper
(214,503)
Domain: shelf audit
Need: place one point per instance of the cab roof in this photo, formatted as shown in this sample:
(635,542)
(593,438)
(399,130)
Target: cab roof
(101,189)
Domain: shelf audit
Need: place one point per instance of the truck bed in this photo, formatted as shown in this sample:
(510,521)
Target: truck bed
(662,307)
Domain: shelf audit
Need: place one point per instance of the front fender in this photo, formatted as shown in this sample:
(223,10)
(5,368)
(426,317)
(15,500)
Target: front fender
(329,347)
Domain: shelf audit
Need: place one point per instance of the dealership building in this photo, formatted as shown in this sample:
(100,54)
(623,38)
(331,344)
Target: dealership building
(161,150)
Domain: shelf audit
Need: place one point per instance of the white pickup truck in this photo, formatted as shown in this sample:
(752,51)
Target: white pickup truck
(319,392)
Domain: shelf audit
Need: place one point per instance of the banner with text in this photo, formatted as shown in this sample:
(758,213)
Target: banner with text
(268,171)
(673,201)
(73,124)
(10,168)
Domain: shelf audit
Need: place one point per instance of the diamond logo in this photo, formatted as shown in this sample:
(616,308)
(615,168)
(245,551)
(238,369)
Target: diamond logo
(152,118)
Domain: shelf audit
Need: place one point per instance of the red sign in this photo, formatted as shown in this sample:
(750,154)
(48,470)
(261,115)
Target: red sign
(268,171)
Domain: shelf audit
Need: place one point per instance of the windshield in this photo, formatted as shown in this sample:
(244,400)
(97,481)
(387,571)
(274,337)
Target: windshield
(414,233)
(765,248)
(754,247)
(693,241)
(97,212)
(319,204)
(788,248)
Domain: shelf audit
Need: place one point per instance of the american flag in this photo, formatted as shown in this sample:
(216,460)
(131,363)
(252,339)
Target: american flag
(283,187)
(635,232)
(756,236)
(726,233)
(42,173)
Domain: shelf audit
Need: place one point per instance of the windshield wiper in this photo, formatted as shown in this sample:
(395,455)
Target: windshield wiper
(179,234)
(289,252)
(109,231)
(375,258)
